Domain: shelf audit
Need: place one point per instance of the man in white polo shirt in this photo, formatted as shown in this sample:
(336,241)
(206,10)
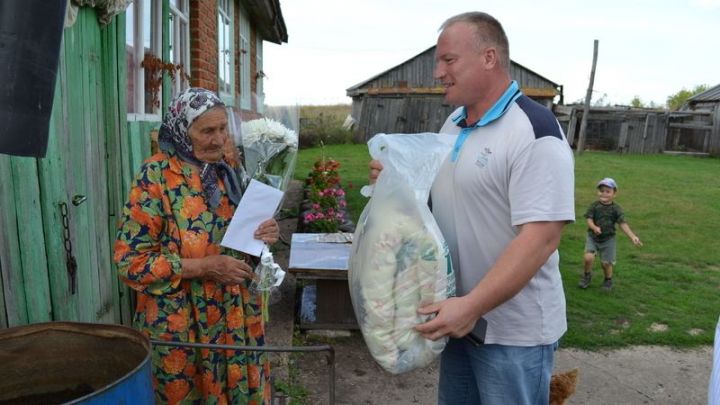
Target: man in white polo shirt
(501,200)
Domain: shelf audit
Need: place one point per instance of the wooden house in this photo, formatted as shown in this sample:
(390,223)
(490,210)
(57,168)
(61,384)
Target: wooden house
(406,98)
(106,105)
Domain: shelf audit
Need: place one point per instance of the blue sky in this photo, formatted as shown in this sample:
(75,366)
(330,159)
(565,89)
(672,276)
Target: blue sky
(647,48)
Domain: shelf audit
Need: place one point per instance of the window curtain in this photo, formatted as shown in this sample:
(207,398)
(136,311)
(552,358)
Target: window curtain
(106,9)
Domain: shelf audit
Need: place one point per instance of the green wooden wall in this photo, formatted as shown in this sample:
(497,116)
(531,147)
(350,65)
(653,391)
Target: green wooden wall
(93,152)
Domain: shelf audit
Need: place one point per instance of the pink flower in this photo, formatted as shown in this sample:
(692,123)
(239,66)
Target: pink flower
(340,192)
(316,207)
(342,203)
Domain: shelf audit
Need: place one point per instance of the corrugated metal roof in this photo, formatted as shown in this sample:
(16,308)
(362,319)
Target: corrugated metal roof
(711,94)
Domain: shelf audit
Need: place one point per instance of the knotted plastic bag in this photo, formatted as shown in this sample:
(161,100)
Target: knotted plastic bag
(400,261)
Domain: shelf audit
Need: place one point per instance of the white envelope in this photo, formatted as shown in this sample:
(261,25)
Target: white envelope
(258,203)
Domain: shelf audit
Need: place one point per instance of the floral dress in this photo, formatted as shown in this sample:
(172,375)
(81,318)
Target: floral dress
(165,220)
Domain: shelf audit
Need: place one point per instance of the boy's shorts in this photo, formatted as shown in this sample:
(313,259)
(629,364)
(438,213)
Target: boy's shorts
(606,250)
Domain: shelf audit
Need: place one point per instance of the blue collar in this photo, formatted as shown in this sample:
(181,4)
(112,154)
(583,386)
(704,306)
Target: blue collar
(495,112)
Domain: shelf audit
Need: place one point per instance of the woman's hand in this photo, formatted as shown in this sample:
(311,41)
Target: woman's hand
(268,231)
(219,268)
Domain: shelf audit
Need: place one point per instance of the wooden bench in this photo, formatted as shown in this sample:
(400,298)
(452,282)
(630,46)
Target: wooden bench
(322,259)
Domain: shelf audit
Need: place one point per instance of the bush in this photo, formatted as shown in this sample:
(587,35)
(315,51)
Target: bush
(326,198)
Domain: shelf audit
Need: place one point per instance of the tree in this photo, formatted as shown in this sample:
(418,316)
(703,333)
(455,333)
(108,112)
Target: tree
(676,100)
(637,102)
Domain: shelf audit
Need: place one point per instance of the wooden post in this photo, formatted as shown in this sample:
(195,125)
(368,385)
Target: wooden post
(571,126)
(624,127)
(645,131)
(714,148)
(588,96)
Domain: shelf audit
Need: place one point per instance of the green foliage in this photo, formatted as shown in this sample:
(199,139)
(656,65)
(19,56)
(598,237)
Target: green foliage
(353,171)
(326,196)
(323,124)
(675,101)
(637,102)
(671,202)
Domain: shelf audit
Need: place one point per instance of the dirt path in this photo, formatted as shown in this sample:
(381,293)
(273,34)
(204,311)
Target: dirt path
(638,375)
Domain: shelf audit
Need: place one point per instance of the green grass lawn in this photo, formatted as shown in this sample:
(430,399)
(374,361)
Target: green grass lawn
(672,284)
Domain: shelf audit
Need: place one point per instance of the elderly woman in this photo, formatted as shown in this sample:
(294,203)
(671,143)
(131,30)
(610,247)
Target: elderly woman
(190,289)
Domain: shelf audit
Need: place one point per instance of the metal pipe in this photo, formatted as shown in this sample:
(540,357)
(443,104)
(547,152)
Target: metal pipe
(290,349)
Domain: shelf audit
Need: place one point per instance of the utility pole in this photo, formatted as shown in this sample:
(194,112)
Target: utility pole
(588,96)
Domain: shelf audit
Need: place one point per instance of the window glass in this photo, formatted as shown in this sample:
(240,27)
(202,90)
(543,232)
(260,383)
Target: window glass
(180,43)
(143,25)
(225,62)
(245,90)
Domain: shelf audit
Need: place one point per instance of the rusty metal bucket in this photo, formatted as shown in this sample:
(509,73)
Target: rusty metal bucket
(78,363)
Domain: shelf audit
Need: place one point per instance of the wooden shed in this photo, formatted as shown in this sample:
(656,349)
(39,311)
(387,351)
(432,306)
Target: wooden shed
(695,127)
(406,98)
(107,102)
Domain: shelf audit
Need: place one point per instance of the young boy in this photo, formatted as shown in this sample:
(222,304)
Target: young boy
(602,215)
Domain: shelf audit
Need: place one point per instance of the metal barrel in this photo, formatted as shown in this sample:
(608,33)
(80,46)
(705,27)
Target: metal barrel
(74,363)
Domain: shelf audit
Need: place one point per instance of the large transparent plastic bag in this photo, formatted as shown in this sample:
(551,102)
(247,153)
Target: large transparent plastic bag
(400,261)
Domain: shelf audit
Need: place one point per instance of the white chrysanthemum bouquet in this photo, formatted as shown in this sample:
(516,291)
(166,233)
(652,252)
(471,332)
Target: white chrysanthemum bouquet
(267,152)
(270,150)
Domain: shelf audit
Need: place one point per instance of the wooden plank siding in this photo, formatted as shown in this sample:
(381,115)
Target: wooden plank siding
(115,93)
(407,98)
(10,263)
(93,152)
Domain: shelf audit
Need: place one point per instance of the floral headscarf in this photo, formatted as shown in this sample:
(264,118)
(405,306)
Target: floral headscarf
(174,138)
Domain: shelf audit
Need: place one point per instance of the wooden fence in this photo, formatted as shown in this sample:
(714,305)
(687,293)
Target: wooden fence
(634,130)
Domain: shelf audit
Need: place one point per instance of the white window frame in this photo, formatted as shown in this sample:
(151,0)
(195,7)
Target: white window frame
(260,75)
(245,68)
(138,72)
(180,42)
(225,12)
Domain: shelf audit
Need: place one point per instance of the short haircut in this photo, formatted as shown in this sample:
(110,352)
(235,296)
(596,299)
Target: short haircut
(489,32)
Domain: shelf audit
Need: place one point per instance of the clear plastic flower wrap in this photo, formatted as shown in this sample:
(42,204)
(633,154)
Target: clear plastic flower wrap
(270,151)
(267,152)
(400,261)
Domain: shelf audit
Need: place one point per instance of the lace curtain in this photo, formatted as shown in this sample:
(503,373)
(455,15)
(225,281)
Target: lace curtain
(106,9)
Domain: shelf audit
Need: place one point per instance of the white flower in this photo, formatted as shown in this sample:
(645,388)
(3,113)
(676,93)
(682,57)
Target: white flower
(267,130)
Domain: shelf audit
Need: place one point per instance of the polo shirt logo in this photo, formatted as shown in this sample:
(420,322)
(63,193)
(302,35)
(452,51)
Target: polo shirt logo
(483,158)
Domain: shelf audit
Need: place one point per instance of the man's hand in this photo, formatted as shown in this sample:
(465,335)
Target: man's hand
(375,169)
(268,231)
(454,317)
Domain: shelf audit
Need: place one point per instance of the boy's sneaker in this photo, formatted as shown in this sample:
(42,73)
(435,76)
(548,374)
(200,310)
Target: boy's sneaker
(607,284)
(585,280)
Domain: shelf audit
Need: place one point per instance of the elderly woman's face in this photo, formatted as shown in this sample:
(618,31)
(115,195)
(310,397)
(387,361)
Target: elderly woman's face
(208,135)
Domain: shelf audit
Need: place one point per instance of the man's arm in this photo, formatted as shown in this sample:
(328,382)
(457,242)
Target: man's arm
(518,263)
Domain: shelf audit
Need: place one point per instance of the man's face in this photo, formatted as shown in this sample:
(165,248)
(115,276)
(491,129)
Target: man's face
(208,135)
(460,65)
